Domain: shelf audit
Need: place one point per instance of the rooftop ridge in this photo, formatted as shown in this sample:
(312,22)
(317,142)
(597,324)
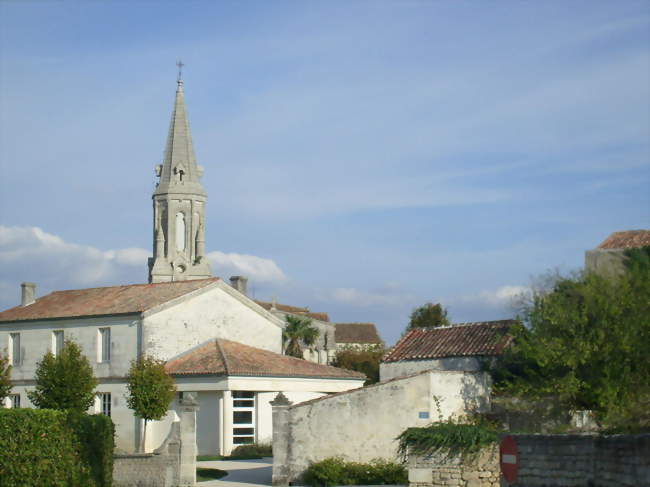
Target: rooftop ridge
(226,365)
(214,278)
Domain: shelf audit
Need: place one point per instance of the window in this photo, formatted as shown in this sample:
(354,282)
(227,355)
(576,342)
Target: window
(243,417)
(105,403)
(14,400)
(57,342)
(104,342)
(14,348)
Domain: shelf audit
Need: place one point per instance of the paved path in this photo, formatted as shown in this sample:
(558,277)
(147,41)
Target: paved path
(241,473)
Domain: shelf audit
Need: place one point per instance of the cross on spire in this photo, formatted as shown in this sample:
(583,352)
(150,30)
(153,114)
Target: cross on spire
(180,65)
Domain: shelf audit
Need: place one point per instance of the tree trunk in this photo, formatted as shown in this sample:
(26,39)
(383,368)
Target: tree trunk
(144,436)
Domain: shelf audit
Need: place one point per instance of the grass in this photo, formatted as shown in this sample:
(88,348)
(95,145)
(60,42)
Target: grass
(205,474)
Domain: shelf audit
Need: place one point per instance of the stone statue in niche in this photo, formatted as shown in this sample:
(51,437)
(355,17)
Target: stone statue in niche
(180,231)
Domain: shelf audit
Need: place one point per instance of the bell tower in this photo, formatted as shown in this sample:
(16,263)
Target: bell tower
(179,206)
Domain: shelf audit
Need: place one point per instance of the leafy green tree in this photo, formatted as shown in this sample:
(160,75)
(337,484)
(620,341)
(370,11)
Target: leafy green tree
(428,315)
(364,361)
(585,342)
(298,331)
(5,378)
(151,390)
(65,381)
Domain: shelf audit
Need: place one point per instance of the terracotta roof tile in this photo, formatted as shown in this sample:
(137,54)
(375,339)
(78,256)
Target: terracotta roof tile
(357,333)
(99,301)
(294,310)
(464,339)
(629,239)
(225,357)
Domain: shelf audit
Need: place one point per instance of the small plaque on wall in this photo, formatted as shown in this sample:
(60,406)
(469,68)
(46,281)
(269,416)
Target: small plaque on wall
(423,414)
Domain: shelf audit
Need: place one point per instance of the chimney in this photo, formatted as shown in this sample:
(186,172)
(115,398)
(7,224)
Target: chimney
(28,294)
(240,283)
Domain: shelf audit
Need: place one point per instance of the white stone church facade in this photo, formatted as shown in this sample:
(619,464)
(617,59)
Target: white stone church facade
(215,339)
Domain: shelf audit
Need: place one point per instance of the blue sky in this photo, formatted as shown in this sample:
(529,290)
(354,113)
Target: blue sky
(360,157)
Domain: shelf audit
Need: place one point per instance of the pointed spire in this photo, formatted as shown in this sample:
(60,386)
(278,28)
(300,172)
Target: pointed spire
(180,172)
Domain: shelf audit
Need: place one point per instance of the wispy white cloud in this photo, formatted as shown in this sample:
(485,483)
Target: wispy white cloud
(255,268)
(32,254)
(387,297)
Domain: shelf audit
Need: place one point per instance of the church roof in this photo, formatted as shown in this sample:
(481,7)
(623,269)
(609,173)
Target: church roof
(629,239)
(285,308)
(356,333)
(101,301)
(225,357)
(179,154)
(460,340)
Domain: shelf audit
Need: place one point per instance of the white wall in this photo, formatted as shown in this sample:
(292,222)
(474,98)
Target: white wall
(205,316)
(402,368)
(36,341)
(362,424)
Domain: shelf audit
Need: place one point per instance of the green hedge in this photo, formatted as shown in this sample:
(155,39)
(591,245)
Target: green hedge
(44,447)
(337,471)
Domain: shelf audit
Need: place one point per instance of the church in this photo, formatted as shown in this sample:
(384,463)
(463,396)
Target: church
(215,340)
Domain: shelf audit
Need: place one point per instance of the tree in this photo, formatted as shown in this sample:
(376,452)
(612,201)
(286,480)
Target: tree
(65,381)
(428,316)
(151,390)
(585,342)
(296,332)
(5,378)
(365,361)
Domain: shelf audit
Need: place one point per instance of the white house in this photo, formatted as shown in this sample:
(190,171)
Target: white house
(216,341)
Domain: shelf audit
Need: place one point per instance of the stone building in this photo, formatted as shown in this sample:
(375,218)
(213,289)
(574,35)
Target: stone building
(609,256)
(215,339)
(460,347)
(357,336)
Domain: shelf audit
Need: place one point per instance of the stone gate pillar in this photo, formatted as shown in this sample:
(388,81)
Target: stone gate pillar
(189,406)
(281,439)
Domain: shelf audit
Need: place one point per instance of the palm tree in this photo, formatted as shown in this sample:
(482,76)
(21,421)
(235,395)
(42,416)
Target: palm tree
(296,331)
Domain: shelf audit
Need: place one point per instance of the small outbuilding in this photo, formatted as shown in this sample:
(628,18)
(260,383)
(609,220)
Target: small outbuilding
(460,347)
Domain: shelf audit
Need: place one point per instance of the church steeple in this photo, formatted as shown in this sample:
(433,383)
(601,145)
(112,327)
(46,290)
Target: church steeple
(179,206)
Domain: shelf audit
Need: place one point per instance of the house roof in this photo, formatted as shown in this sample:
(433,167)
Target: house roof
(294,310)
(464,339)
(629,239)
(101,301)
(225,357)
(356,333)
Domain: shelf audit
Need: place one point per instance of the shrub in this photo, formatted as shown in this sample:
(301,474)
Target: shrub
(337,471)
(449,438)
(65,381)
(253,450)
(55,448)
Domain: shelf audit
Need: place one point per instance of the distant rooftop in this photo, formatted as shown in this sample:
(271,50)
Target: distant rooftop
(285,308)
(629,239)
(463,339)
(357,333)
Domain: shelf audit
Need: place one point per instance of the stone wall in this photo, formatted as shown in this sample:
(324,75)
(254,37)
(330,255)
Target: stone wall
(440,470)
(401,368)
(363,424)
(583,460)
(171,465)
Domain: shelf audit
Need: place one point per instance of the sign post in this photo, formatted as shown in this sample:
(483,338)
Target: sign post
(509,459)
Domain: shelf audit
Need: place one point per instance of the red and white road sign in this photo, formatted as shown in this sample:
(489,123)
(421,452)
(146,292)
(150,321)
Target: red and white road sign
(509,459)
